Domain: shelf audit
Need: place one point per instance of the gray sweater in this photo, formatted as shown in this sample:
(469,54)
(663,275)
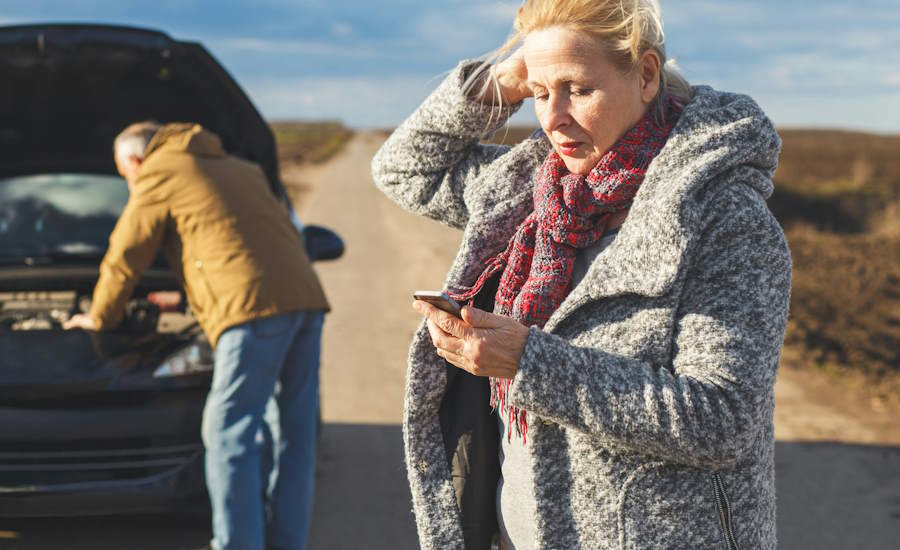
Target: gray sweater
(650,390)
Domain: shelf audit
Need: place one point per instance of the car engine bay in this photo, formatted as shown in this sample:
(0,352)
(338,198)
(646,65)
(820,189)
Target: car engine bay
(48,310)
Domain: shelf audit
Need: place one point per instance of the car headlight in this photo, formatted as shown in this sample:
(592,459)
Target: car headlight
(194,359)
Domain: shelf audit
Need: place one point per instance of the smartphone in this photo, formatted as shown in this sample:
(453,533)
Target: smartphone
(439,300)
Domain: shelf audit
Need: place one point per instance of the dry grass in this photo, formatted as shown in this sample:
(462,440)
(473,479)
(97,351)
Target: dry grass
(309,141)
(838,197)
(845,303)
(302,143)
(837,194)
(837,181)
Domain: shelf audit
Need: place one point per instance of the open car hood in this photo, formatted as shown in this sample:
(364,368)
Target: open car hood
(52,364)
(69,89)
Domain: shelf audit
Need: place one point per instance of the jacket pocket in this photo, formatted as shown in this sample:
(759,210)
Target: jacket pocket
(201,289)
(662,505)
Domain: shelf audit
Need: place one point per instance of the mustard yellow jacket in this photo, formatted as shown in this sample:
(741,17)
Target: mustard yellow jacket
(229,241)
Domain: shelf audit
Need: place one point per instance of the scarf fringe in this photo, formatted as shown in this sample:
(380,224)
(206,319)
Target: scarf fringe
(514,416)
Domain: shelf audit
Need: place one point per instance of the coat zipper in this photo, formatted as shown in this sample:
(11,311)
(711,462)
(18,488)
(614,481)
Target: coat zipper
(724,513)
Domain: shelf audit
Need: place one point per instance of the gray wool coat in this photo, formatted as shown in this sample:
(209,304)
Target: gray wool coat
(650,390)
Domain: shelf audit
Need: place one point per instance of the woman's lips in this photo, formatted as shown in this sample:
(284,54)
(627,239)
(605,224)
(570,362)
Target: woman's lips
(569,148)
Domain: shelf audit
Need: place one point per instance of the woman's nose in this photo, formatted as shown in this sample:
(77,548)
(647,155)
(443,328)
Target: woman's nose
(556,113)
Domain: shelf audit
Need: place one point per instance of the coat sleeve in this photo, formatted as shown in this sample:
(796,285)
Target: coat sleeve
(428,162)
(707,406)
(133,245)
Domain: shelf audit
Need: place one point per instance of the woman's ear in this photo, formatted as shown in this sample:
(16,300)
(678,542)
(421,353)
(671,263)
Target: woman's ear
(648,73)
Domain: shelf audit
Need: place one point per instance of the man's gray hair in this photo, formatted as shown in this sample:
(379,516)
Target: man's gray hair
(134,139)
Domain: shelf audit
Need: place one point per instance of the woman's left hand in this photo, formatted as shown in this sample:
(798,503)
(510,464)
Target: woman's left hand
(481,343)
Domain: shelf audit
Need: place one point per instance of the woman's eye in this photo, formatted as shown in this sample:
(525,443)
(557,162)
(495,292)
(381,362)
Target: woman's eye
(578,92)
(540,96)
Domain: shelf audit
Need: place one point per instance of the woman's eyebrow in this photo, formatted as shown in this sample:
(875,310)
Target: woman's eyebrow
(560,82)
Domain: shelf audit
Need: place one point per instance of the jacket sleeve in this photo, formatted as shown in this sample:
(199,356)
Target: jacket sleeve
(707,406)
(428,161)
(133,245)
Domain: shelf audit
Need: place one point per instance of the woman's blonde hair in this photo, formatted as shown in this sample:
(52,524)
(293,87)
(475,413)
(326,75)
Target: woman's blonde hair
(626,28)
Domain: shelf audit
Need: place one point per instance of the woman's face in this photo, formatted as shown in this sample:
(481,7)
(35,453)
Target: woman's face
(583,102)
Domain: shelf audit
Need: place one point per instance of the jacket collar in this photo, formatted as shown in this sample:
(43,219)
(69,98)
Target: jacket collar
(186,137)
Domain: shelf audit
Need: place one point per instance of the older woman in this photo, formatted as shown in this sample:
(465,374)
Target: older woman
(628,294)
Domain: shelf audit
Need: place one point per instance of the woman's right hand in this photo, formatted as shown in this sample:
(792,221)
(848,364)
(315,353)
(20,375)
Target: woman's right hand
(512,76)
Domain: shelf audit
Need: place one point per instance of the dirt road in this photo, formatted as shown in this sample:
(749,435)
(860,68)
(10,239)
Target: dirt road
(389,254)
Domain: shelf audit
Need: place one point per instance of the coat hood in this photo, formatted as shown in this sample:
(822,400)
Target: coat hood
(719,132)
(720,139)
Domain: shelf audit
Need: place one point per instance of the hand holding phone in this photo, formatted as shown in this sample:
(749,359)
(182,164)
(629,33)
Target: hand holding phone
(440,300)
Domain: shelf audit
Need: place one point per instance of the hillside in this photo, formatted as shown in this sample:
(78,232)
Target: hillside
(837,194)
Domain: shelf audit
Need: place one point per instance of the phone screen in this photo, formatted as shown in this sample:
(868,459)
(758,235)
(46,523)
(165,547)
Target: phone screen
(439,300)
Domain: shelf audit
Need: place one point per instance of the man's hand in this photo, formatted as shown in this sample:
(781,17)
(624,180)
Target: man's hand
(166,300)
(481,343)
(81,320)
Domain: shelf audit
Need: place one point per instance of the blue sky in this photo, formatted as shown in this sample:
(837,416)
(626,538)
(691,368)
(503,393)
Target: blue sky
(809,63)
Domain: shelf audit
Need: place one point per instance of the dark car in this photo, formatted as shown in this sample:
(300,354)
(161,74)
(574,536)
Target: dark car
(105,422)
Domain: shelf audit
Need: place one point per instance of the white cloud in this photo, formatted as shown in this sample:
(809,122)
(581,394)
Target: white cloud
(848,13)
(361,102)
(878,113)
(292,47)
(342,30)
(498,13)
(366,102)
(820,72)
(466,31)
(691,13)
(849,39)
(5,20)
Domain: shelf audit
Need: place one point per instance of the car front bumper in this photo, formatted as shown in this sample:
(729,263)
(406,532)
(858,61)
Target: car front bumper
(113,453)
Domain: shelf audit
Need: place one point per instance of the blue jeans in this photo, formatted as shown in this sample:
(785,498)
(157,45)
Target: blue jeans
(277,359)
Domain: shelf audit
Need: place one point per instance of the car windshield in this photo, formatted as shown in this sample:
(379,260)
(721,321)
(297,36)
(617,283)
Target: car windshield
(56,216)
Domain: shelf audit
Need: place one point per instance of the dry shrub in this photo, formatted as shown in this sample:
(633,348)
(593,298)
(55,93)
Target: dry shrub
(887,222)
(838,197)
(833,162)
(845,300)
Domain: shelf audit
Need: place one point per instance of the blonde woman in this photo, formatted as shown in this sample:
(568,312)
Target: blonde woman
(627,294)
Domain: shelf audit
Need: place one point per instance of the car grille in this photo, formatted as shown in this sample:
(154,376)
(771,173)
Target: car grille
(59,467)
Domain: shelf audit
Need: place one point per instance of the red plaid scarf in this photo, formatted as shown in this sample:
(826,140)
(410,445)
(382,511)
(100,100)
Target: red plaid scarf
(571,212)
